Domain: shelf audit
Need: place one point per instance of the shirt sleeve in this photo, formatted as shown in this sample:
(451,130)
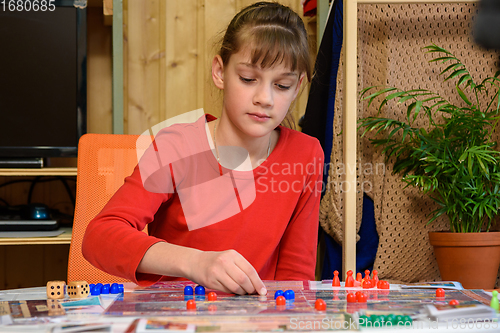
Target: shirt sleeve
(298,246)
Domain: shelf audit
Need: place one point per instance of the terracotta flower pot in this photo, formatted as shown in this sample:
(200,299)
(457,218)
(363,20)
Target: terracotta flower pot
(472,259)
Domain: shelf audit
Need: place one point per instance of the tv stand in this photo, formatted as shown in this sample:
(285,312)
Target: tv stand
(32,261)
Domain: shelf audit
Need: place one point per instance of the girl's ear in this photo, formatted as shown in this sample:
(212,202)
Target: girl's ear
(297,89)
(218,72)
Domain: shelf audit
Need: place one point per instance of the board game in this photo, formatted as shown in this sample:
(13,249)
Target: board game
(261,313)
(288,306)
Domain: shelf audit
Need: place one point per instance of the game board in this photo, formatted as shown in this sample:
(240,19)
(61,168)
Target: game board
(261,312)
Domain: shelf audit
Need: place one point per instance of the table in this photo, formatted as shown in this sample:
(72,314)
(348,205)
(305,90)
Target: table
(167,299)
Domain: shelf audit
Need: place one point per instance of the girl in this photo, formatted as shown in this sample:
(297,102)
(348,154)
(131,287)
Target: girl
(265,226)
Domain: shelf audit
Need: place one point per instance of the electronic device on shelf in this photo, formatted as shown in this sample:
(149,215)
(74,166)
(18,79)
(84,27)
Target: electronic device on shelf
(43,83)
(31,217)
(28,225)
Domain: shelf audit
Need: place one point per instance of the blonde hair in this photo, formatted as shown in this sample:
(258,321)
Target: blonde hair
(275,34)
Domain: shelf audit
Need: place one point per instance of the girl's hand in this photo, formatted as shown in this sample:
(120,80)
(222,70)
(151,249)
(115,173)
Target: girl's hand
(227,271)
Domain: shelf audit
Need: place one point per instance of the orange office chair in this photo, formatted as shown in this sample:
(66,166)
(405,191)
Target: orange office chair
(104,161)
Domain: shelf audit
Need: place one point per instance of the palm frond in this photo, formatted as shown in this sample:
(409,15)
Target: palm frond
(452,159)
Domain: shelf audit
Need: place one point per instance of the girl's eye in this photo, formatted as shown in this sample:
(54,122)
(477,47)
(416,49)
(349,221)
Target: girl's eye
(246,80)
(283,87)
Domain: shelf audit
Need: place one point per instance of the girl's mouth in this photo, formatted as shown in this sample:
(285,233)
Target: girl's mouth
(261,117)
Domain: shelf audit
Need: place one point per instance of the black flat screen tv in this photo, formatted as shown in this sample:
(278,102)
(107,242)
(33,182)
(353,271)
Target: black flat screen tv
(43,88)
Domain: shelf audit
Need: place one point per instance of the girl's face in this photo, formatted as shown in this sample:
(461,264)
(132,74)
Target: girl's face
(256,100)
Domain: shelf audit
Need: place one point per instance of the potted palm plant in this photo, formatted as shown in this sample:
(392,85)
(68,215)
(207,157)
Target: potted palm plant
(452,158)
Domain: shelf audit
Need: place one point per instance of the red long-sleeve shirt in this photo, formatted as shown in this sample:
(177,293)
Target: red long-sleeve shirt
(275,227)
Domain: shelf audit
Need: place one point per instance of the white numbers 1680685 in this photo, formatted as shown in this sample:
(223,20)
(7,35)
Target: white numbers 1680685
(27,5)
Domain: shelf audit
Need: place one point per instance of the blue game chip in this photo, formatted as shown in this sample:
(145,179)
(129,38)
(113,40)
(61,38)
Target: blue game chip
(188,290)
(199,290)
(289,295)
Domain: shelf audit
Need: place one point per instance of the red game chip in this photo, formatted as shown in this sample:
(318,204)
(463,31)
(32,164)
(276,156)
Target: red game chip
(212,296)
(383,285)
(351,298)
(191,305)
(361,297)
(366,284)
(320,305)
(280,300)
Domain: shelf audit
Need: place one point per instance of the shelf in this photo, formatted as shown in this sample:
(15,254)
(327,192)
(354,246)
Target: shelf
(66,171)
(64,238)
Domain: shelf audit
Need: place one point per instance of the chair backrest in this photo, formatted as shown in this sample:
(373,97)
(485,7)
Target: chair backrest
(104,161)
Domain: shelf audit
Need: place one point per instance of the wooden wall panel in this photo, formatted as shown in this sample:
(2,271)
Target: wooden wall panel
(214,29)
(143,65)
(182,51)
(163,63)
(99,74)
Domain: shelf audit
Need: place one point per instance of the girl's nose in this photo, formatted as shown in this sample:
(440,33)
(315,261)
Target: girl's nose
(263,96)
